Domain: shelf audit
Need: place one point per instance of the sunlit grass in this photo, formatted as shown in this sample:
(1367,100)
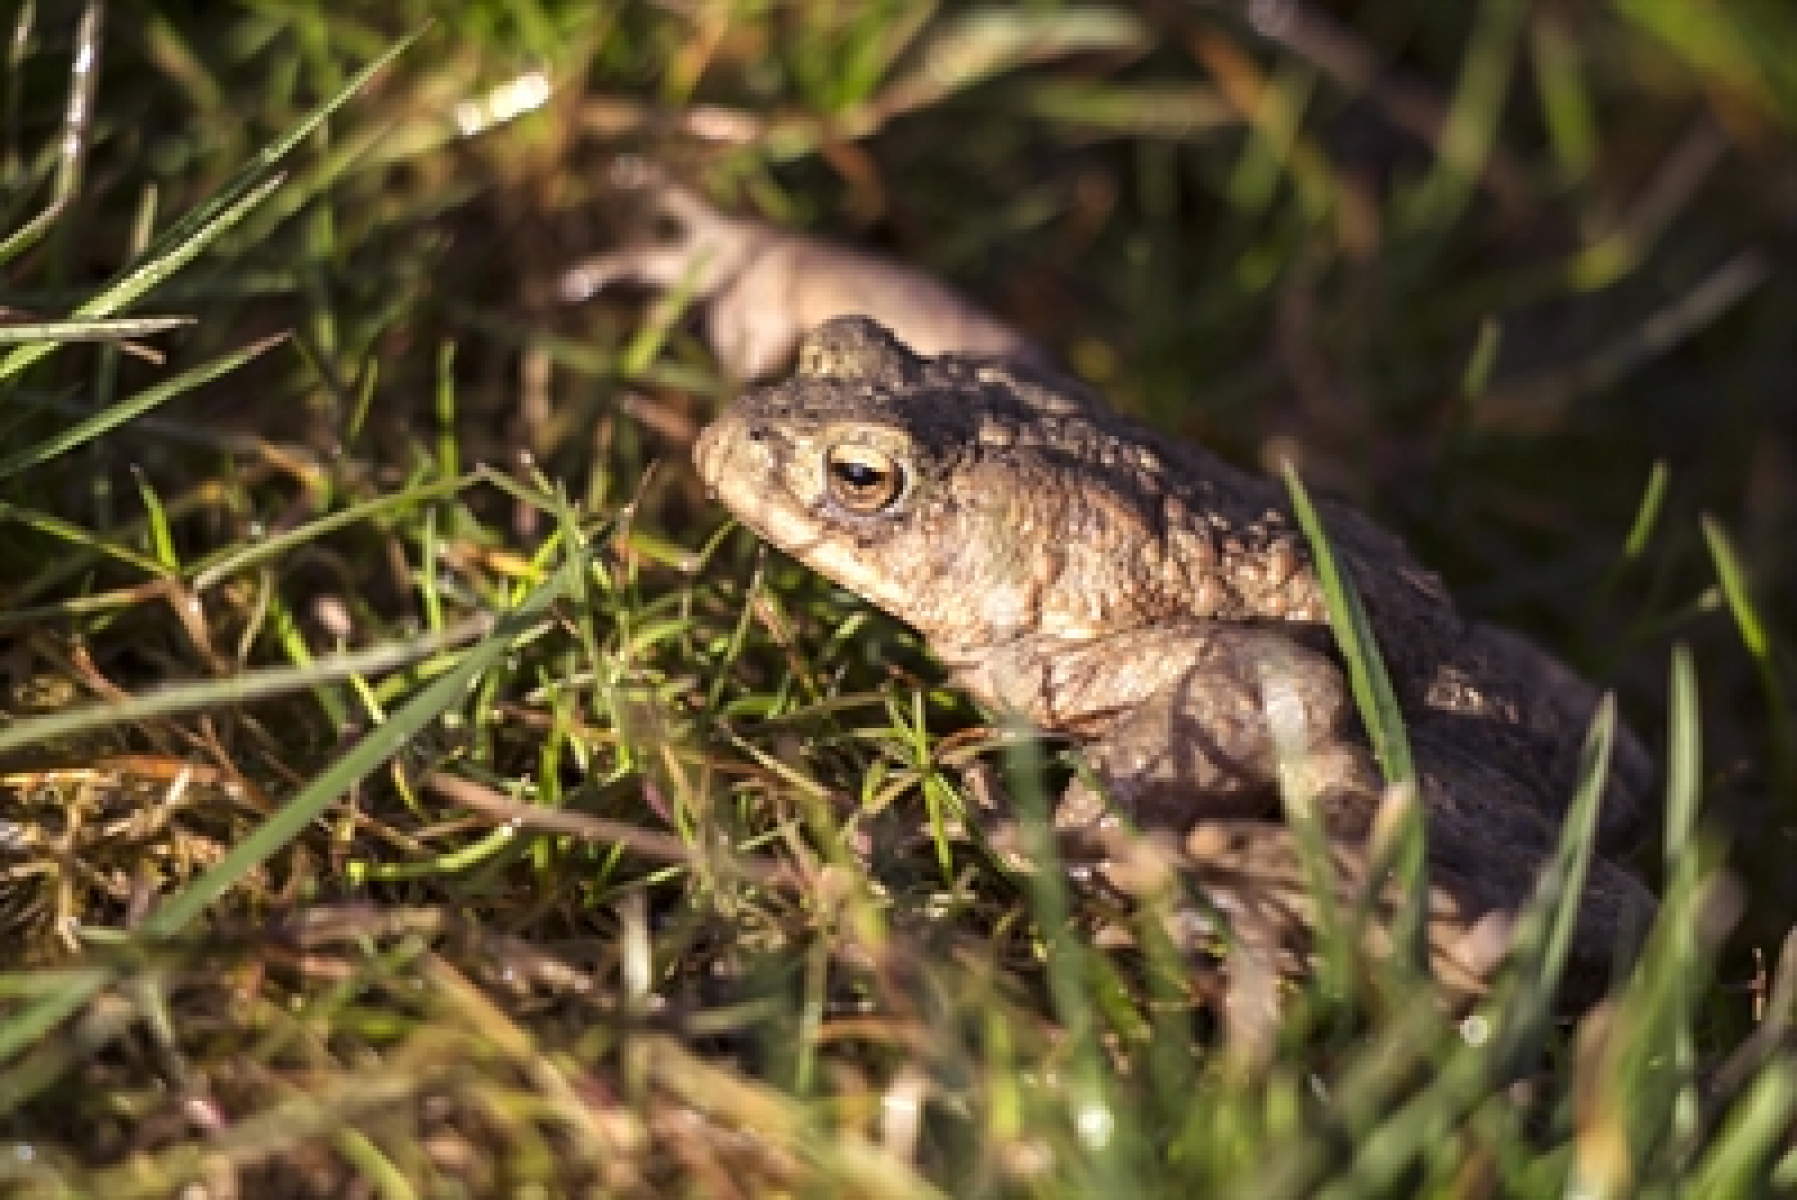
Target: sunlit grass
(411,788)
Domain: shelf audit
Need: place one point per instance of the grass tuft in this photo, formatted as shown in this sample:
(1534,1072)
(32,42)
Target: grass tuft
(410,788)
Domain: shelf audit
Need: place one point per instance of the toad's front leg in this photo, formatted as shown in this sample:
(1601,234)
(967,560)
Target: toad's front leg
(1190,721)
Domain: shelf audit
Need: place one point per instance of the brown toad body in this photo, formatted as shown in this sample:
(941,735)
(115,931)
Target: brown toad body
(1081,571)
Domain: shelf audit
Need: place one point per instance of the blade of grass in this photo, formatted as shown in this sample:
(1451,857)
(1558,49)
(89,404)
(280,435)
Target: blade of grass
(243,689)
(1647,515)
(1523,1000)
(1470,132)
(238,559)
(115,415)
(1637,1105)
(1373,695)
(1738,45)
(77,127)
(117,329)
(162,537)
(1759,1123)
(1563,93)
(1732,574)
(1683,788)
(75,535)
(1379,712)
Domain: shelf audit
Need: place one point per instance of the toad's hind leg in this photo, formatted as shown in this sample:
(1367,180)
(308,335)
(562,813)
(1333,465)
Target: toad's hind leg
(1253,873)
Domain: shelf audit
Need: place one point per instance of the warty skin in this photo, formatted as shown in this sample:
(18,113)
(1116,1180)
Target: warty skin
(1086,574)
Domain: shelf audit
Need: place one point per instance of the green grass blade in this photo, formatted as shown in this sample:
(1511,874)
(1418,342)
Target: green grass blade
(1759,1123)
(1732,574)
(161,534)
(76,535)
(1524,1000)
(116,415)
(241,558)
(1684,774)
(1379,712)
(1647,515)
(25,1028)
(214,693)
(1684,761)
(1373,694)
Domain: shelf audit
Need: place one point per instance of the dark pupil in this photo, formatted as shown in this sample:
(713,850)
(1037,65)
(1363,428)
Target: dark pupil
(859,476)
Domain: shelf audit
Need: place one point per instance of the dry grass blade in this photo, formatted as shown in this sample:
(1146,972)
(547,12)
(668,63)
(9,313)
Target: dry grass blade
(354,877)
(77,124)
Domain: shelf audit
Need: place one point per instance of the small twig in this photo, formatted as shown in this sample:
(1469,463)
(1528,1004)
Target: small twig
(664,847)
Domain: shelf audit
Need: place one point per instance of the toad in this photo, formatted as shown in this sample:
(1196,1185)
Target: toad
(1138,595)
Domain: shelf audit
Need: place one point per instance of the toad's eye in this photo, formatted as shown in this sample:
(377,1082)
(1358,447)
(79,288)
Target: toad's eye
(862,479)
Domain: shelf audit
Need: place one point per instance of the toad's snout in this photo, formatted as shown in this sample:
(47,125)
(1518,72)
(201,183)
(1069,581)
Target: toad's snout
(713,452)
